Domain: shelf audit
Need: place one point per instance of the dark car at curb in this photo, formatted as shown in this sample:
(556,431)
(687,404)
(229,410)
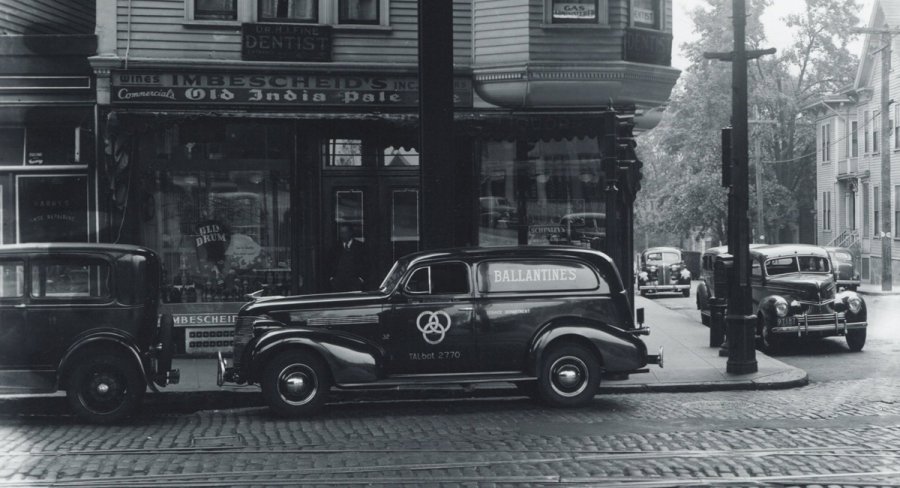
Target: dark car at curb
(83,317)
(662,270)
(795,296)
(843,268)
(552,320)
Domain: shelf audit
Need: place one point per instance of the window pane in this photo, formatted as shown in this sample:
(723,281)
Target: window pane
(292,10)
(215,9)
(449,279)
(395,156)
(12,142)
(349,211)
(12,279)
(358,12)
(50,146)
(646,13)
(404,222)
(68,280)
(574,11)
(343,152)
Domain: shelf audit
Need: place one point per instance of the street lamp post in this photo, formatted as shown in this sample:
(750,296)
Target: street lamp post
(740,322)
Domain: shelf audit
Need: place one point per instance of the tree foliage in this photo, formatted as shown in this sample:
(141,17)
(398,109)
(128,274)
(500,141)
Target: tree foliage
(682,194)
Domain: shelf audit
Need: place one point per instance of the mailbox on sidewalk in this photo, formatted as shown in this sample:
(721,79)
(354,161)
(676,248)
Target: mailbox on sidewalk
(723,272)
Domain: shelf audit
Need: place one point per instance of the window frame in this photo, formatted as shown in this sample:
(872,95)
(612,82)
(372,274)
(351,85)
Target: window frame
(21,274)
(854,139)
(190,12)
(661,21)
(381,13)
(601,9)
(316,18)
(427,267)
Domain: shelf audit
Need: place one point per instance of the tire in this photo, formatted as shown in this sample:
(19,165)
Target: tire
(295,383)
(105,388)
(856,339)
(569,376)
(643,293)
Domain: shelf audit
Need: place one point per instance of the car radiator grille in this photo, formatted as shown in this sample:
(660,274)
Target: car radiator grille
(243,332)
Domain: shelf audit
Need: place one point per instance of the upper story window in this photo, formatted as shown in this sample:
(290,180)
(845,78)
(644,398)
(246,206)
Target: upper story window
(577,11)
(854,139)
(215,10)
(647,14)
(359,12)
(826,142)
(288,11)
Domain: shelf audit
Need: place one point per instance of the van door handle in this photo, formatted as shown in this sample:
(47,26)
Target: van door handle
(465,309)
(19,305)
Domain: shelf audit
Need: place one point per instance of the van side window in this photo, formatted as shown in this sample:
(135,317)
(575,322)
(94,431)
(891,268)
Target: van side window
(440,279)
(530,276)
(12,279)
(70,278)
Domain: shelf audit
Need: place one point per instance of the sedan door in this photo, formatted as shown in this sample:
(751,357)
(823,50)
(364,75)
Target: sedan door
(430,328)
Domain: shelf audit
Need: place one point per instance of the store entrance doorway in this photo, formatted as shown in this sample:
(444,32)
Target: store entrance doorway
(383,213)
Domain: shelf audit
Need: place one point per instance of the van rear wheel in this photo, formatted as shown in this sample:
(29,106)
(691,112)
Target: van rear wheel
(569,376)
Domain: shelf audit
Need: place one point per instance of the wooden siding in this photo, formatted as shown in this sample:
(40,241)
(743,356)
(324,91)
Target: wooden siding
(158,30)
(46,17)
(516,31)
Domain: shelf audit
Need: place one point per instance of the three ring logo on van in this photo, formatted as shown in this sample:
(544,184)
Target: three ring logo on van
(433,326)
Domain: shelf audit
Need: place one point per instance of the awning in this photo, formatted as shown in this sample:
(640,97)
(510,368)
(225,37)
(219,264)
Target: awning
(489,124)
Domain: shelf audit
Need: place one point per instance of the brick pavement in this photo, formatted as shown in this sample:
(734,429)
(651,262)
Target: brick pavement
(664,438)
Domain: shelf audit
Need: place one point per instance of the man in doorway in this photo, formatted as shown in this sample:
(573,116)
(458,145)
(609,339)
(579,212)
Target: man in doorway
(349,265)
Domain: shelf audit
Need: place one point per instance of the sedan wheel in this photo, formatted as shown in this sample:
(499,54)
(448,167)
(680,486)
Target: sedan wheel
(569,376)
(856,339)
(105,388)
(295,383)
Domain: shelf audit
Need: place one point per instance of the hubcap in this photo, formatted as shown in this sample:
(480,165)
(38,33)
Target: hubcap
(568,376)
(104,392)
(297,384)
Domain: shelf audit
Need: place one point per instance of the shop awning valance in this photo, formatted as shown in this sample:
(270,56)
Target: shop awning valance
(482,124)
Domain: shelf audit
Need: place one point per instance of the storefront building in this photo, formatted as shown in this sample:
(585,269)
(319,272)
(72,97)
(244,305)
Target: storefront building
(47,191)
(240,136)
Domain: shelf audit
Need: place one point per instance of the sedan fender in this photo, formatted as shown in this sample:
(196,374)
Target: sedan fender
(349,359)
(106,339)
(618,351)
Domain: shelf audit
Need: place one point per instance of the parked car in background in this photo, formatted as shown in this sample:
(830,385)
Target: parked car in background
(663,271)
(795,295)
(84,318)
(586,229)
(845,273)
(497,212)
(706,279)
(551,319)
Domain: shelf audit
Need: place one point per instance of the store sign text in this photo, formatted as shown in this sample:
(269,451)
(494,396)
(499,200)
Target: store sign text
(283,90)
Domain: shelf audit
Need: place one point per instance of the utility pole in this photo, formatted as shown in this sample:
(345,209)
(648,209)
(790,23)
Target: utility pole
(740,321)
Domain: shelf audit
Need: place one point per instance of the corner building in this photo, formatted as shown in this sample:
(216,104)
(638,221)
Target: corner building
(239,135)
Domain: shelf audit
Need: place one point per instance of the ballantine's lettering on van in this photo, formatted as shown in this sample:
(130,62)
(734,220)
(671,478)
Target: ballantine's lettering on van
(525,275)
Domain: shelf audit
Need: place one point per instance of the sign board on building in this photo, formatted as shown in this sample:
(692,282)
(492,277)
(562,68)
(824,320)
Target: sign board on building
(577,10)
(285,42)
(650,47)
(279,90)
(208,340)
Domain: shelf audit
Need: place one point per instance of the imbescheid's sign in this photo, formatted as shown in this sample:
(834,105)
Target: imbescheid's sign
(282,90)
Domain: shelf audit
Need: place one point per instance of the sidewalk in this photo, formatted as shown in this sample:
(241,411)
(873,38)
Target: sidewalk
(690,365)
(875,289)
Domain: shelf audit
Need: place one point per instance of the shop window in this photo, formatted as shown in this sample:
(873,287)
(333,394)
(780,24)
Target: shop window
(214,10)
(12,146)
(340,153)
(577,11)
(349,206)
(359,12)
(49,146)
(542,193)
(646,14)
(218,140)
(288,11)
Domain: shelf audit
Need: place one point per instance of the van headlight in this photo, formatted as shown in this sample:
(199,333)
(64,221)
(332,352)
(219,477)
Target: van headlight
(685,274)
(854,302)
(781,307)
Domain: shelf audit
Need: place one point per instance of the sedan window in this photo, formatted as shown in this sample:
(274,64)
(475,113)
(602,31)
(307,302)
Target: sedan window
(12,279)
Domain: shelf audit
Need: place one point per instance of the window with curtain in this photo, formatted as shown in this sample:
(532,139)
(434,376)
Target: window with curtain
(358,11)
(215,9)
(288,11)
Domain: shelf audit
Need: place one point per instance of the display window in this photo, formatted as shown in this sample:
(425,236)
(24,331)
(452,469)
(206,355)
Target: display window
(221,222)
(542,193)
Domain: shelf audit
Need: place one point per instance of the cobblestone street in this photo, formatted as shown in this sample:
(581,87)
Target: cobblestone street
(827,434)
